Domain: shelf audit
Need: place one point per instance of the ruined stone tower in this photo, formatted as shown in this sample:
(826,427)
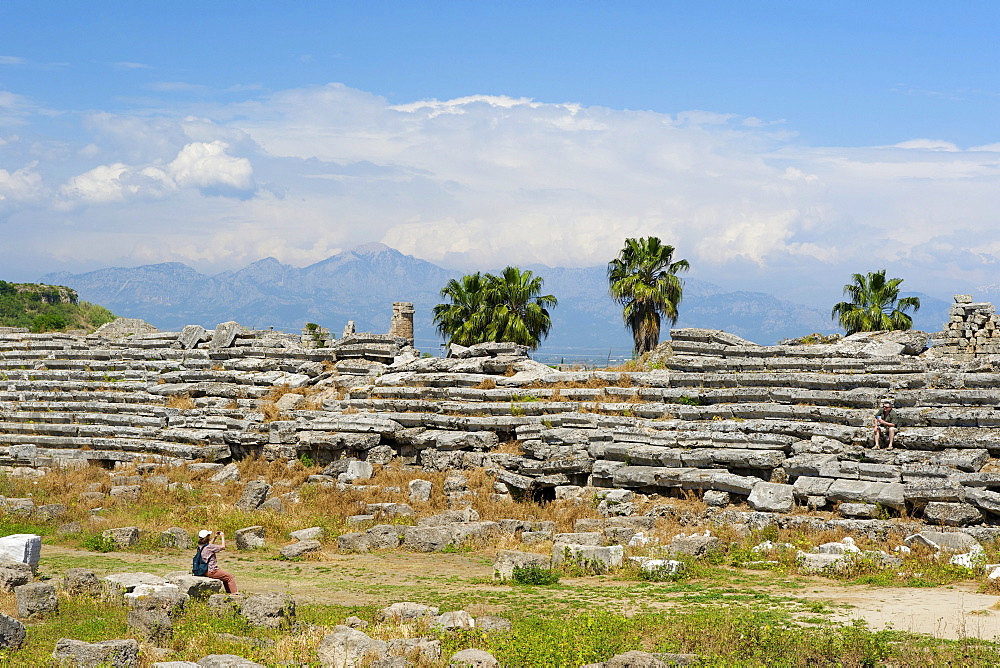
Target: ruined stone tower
(402,321)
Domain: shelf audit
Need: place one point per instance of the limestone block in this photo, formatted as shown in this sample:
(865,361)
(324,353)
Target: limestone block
(25,548)
(456,620)
(384,536)
(716,498)
(953,542)
(694,545)
(354,542)
(945,490)
(302,547)
(36,599)
(226,661)
(118,653)
(811,562)
(854,490)
(589,538)
(175,537)
(81,582)
(952,514)
(589,557)
(13,577)
(225,334)
(507,560)
(228,473)
(356,470)
(420,490)
(427,538)
(123,537)
(380,454)
(269,610)
(866,511)
(473,658)
(349,648)
(254,494)
(421,650)
(250,538)
(12,632)
(772,498)
(407,611)
(449,517)
(191,336)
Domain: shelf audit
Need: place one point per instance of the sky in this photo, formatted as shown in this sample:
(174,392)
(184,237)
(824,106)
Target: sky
(779,146)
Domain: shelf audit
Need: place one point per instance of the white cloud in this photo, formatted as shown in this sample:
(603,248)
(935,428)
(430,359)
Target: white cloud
(22,184)
(200,165)
(483,181)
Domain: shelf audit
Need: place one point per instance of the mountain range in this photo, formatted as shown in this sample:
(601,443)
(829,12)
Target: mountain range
(361,284)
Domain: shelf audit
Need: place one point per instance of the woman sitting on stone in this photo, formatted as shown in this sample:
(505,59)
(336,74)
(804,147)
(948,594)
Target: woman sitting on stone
(209,549)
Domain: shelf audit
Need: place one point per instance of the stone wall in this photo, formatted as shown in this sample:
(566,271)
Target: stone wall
(401,325)
(972,330)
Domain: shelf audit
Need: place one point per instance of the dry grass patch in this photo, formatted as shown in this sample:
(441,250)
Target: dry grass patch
(486,384)
(183,402)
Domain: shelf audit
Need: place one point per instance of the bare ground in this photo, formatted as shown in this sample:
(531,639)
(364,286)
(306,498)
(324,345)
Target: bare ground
(952,612)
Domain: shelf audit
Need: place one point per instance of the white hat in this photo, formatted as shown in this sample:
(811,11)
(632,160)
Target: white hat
(204,533)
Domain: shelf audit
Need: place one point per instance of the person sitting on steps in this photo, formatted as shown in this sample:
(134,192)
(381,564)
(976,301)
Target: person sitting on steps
(886,424)
(209,548)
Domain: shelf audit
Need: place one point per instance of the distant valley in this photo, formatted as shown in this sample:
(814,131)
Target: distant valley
(361,284)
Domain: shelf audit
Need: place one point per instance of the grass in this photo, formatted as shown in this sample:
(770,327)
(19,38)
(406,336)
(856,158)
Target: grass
(717,608)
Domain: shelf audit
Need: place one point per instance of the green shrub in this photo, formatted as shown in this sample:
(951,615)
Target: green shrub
(99,543)
(534,575)
(690,401)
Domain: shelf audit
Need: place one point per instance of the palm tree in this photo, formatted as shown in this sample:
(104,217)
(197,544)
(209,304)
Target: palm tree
(643,279)
(875,304)
(484,307)
(516,310)
(460,321)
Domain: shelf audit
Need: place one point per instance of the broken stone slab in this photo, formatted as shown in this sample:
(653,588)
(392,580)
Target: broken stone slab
(349,647)
(81,582)
(384,536)
(36,599)
(25,548)
(255,492)
(296,550)
(695,545)
(407,611)
(772,497)
(816,562)
(191,336)
(953,542)
(355,541)
(118,653)
(271,611)
(312,533)
(193,585)
(595,539)
(228,473)
(866,511)
(250,538)
(952,514)
(427,538)
(455,620)
(123,537)
(12,632)
(225,334)
(124,583)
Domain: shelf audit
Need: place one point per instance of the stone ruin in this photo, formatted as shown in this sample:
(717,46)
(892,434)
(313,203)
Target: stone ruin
(972,330)
(765,428)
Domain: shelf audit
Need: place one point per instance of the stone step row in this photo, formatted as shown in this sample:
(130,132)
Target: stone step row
(866,398)
(93,436)
(14,386)
(54,375)
(20,448)
(855,417)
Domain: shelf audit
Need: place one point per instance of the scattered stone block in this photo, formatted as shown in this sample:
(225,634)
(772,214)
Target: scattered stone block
(176,537)
(421,650)
(81,582)
(10,578)
(354,542)
(312,533)
(407,611)
(591,558)
(865,511)
(384,537)
(507,560)
(12,632)
(473,658)
(694,545)
(349,648)
(116,653)
(420,490)
(228,473)
(224,604)
(952,514)
(254,494)
(456,620)
(269,610)
(25,548)
(250,538)
(36,599)
(298,549)
(123,537)
(195,586)
(716,498)
(227,661)
(769,497)
(427,538)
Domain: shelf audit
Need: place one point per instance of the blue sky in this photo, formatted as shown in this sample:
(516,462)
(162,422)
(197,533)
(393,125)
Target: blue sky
(778,145)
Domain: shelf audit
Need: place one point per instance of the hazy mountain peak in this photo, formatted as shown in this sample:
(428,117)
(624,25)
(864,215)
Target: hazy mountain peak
(372,248)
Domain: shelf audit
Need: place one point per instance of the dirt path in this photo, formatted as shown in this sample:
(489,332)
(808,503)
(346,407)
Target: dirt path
(381,578)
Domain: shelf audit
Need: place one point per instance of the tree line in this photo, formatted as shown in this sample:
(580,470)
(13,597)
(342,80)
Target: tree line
(643,279)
